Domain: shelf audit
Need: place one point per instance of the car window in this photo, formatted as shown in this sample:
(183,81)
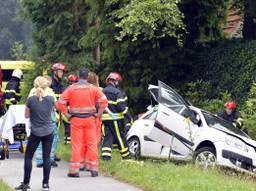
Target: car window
(151,116)
(216,122)
(171,99)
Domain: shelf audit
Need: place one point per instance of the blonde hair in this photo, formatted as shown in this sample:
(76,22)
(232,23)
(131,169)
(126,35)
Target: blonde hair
(40,83)
(93,78)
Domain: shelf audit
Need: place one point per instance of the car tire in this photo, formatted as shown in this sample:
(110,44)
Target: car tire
(134,147)
(205,157)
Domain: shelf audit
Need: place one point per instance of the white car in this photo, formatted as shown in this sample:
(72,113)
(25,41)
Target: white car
(174,129)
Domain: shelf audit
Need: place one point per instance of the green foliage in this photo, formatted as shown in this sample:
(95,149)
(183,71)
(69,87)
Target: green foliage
(204,19)
(149,33)
(249,107)
(18,51)
(58,27)
(5,187)
(149,20)
(228,66)
(12,29)
(199,94)
(249,112)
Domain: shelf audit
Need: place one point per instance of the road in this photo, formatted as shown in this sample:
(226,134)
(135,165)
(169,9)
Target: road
(11,172)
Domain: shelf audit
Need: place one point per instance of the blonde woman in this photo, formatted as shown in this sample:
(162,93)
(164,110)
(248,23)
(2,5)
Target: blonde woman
(39,108)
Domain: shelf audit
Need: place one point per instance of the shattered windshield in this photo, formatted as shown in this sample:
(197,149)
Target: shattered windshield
(217,123)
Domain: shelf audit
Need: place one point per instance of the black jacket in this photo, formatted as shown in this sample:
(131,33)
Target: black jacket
(117,101)
(12,91)
(231,118)
(57,87)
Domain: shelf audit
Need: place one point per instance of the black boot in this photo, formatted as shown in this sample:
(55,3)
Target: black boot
(94,173)
(73,175)
(57,158)
(106,158)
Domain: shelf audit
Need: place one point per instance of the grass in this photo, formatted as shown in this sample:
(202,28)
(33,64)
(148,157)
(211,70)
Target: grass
(157,175)
(4,187)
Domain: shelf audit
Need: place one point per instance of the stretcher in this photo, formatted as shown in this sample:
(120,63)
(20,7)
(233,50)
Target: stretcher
(13,130)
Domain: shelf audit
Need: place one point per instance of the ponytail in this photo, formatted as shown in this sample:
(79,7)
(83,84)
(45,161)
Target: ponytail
(40,83)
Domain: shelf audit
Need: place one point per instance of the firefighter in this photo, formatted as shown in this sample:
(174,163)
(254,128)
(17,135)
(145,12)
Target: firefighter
(81,98)
(12,91)
(58,70)
(233,116)
(113,121)
(72,79)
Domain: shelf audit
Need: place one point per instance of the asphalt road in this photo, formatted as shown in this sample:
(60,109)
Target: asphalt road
(11,172)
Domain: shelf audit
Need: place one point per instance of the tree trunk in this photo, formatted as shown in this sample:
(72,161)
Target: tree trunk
(97,54)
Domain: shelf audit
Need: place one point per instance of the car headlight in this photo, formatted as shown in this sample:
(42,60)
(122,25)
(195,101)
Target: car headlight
(235,142)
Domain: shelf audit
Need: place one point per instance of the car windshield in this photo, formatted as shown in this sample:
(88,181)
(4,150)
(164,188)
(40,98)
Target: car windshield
(218,123)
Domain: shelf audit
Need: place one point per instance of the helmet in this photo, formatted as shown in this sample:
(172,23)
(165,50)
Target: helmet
(59,66)
(114,76)
(230,105)
(72,78)
(17,73)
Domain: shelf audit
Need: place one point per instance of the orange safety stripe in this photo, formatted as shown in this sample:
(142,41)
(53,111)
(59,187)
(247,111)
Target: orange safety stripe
(74,167)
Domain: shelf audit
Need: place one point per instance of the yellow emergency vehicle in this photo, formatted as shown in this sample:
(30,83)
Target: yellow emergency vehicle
(9,66)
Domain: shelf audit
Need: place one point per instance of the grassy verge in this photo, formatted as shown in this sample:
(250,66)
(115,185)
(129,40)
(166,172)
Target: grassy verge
(4,187)
(156,175)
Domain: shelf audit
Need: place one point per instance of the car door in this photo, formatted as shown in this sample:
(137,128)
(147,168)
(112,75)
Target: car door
(173,125)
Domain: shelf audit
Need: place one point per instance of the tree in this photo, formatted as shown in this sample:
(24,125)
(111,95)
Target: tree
(18,52)
(58,27)
(204,20)
(249,29)
(149,20)
(12,29)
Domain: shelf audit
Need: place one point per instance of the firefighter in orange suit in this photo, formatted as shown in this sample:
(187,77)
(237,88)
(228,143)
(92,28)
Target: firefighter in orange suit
(82,98)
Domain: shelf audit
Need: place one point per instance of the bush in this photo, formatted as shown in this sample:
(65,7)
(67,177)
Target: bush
(227,66)
(198,93)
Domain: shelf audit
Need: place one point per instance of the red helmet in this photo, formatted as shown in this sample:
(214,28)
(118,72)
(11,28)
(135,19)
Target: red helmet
(114,76)
(59,66)
(72,78)
(230,105)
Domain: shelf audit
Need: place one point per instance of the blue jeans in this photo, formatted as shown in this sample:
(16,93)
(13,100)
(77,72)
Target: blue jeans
(39,155)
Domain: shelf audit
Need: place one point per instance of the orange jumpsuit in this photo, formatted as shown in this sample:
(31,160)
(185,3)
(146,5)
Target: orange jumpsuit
(82,98)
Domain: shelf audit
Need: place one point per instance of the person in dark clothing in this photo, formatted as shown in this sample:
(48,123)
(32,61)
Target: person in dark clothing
(113,121)
(233,116)
(12,91)
(58,70)
(39,109)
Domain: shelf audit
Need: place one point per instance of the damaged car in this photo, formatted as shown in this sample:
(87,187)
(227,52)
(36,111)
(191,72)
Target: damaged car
(174,129)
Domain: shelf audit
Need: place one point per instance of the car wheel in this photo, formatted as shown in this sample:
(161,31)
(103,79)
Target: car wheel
(205,157)
(134,147)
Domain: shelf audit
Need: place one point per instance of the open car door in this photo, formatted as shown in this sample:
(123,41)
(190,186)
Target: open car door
(174,123)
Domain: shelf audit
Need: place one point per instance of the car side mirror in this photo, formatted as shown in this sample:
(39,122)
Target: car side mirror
(196,120)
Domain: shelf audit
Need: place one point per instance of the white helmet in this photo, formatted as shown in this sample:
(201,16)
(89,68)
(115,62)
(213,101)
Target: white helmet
(17,73)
